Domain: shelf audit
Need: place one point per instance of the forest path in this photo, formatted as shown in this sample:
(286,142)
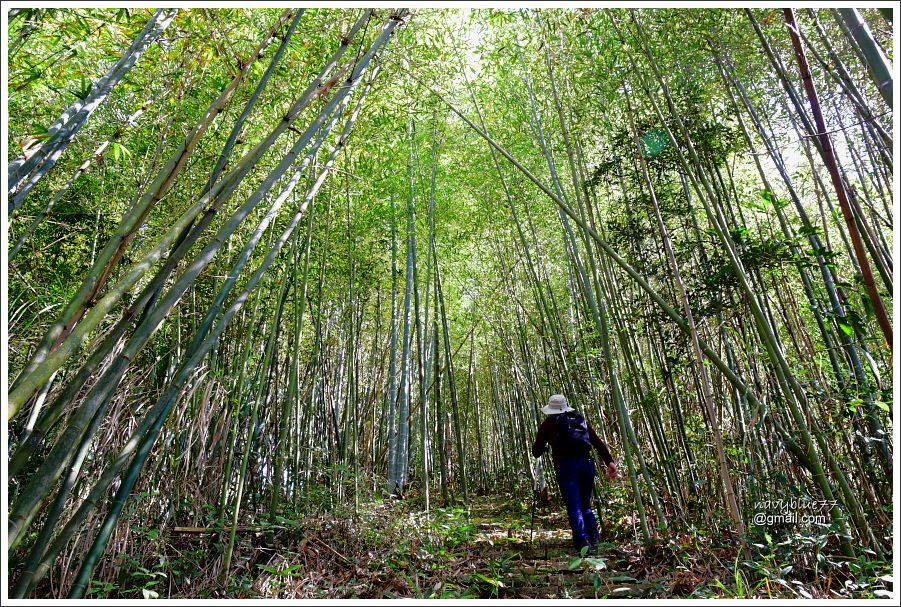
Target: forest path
(543,564)
(393,549)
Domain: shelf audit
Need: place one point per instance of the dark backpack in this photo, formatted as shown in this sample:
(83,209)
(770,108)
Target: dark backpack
(573,434)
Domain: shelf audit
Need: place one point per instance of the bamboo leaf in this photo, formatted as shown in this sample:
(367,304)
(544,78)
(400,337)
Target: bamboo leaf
(846,328)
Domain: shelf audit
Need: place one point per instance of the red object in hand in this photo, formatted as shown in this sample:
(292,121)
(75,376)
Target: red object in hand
(611,471)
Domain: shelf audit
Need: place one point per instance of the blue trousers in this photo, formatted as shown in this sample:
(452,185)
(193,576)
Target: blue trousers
(575,476)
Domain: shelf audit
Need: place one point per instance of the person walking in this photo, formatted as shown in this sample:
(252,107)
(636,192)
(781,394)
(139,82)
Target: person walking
(571,438)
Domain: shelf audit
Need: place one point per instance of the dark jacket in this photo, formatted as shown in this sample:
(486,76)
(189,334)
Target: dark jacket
(549,434)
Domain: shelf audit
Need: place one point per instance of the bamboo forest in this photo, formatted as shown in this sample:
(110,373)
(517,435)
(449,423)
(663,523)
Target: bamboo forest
(293,296)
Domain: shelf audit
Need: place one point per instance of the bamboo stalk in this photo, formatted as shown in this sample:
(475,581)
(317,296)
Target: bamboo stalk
(832,165)
(26,170)
(877,65)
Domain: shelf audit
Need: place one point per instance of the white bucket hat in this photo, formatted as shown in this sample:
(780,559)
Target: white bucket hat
(555,405)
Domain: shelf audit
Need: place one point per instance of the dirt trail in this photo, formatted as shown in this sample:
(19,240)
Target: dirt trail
(546,565)
(483,551)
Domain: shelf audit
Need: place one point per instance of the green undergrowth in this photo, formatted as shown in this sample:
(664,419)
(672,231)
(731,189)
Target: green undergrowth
(394,549)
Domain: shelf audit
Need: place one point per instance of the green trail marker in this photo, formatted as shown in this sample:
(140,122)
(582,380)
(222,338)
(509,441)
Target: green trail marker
(654,142)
